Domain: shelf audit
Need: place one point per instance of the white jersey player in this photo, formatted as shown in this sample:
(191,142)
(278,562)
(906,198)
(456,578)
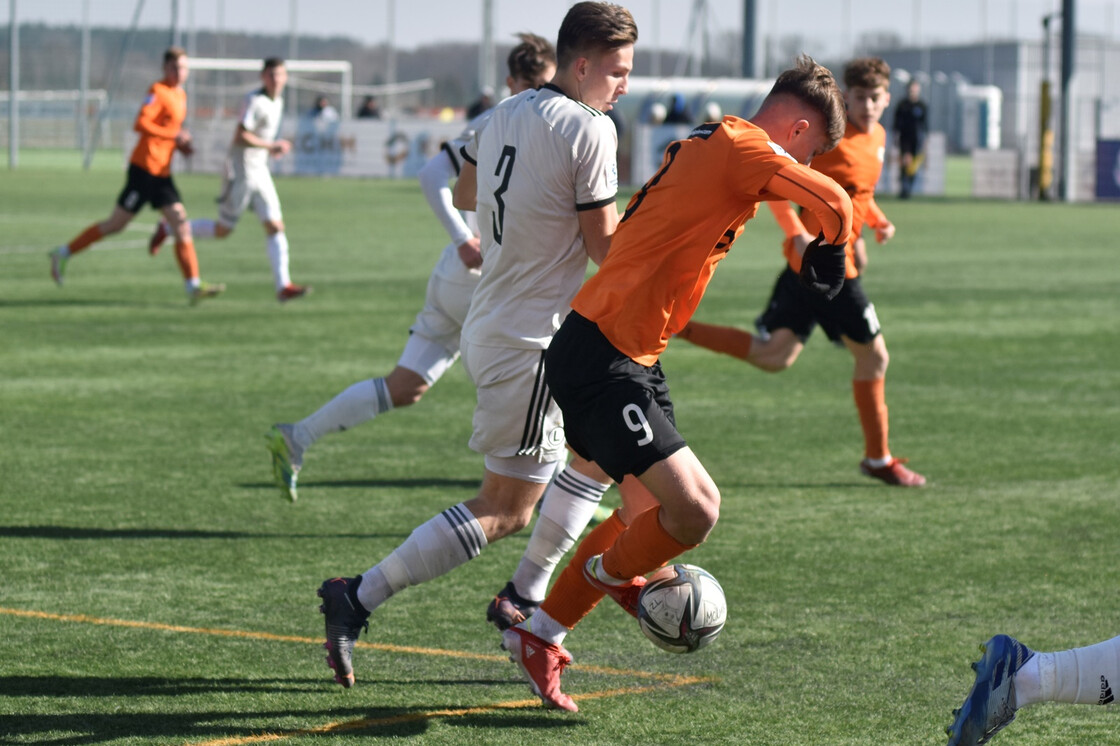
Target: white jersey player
(569,171)
(248,181)
(433,343)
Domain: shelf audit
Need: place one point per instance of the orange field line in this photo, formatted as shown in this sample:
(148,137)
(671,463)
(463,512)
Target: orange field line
(250,635)
(663,680)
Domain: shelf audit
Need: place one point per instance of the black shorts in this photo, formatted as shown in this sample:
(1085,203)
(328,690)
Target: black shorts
(795,307)
(617,413)
(143,188)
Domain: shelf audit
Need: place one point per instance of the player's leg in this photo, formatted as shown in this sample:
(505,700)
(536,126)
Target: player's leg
(132,197)
(503,505)
(566,509)
(850,318)
(232,201)
(266,203)
(432,348)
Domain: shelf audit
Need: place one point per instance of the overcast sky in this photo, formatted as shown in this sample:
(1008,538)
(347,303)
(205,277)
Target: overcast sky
(832,24)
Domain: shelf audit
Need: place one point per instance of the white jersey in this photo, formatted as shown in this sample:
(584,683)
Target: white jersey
(540,159)
(261,116)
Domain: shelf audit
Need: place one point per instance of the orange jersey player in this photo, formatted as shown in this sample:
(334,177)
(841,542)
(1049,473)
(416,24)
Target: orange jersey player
(602,366)
(160,124)
(850,318)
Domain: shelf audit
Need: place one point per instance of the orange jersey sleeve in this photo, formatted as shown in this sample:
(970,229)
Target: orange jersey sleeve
(159,122)
(786,217)
(875,216)
(674,232)
(855,164)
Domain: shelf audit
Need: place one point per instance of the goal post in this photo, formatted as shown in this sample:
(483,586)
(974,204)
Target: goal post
(343,68)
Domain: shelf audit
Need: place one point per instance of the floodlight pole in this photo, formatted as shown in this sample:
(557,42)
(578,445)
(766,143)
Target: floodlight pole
(486,49)
(750,39)
(176,35)
(83,81)
(1045,131)
(1066,186)
(13,88)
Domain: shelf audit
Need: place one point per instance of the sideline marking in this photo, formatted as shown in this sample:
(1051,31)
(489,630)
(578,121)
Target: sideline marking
(670,681)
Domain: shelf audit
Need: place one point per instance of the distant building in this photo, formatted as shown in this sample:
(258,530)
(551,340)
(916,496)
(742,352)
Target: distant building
(1015,67)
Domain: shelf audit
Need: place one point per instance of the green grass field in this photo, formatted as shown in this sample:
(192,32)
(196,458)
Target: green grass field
(157,590)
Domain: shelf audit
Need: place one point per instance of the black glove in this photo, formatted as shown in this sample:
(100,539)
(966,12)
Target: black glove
(822,267)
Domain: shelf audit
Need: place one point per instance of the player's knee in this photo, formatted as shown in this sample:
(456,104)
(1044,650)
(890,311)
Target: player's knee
(693,525)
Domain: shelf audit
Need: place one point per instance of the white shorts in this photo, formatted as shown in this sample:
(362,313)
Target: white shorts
(242,190)
(515,415)
(445,306)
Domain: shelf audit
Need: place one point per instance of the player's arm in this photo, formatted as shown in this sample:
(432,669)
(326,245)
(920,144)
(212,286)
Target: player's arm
(435,176)
(877,219)
(250,139)
(818,194)
(790,223)
(465,194)
(822,261)
(597,226)
(147,121)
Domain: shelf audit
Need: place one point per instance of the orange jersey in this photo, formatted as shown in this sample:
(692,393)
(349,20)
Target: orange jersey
(159,123)
(854,164)
(683,222)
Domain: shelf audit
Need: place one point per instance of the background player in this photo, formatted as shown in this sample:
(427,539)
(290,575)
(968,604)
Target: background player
(160,124)
(603,367)
(248,181)
(793,311)
(546,183)
(1010,676)
(910,127)
(433,342)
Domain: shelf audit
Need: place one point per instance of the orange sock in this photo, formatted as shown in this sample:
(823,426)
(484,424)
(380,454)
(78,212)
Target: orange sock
(188,261)
(725,339)
(871,403)
(572,597)
(90,235)
(643,547)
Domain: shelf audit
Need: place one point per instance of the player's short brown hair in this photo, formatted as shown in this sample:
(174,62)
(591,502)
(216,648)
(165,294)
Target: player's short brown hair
(867,72)
(594,27)
(173,54)
(528,59)
(814,85)
(271,62)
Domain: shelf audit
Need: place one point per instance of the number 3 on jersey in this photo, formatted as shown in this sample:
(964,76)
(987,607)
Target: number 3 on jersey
(636,420)
(505,170)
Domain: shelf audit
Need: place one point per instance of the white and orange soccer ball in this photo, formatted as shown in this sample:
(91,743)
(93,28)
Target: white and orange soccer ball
(682,608)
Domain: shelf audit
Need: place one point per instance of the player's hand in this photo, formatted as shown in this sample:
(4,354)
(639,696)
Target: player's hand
(280,148)
(470,253)
(822,267)
(183,143)
(884,233)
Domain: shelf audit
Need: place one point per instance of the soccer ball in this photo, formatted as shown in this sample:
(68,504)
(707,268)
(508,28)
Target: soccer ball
(682,608)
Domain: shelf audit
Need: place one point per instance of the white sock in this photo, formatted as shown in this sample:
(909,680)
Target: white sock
(879,463)
(192,284)
(277,247)
(446,541)
(569,503)
(200,228)
(1081,676)
(546,628)
(360,402)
